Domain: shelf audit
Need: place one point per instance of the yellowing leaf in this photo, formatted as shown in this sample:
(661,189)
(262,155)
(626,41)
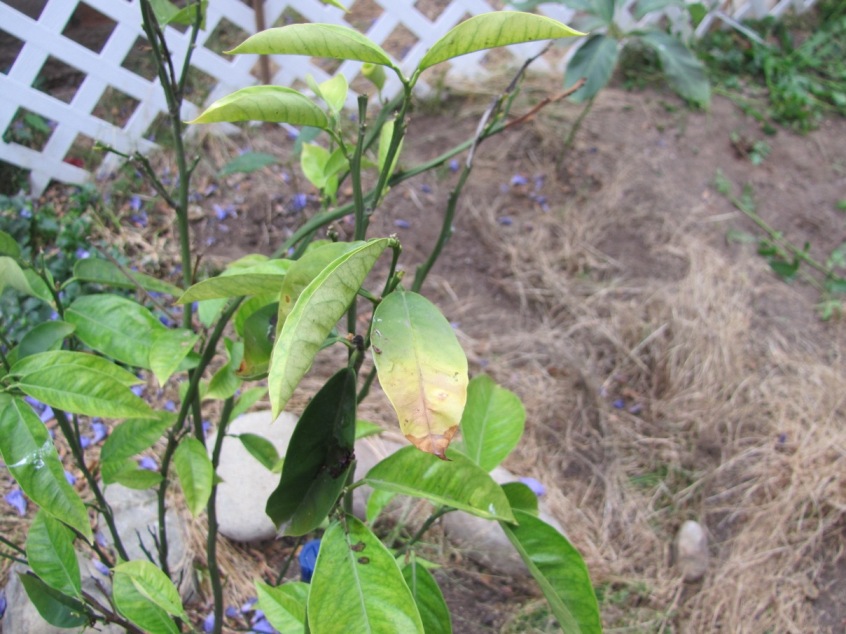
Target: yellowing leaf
(421,368)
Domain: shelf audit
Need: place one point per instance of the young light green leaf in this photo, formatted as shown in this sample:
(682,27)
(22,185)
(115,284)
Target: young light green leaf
(303,272)
(313,160)
(115,326)
(261,449)
(559,570)
(258,279)
(58,609)
(335,3)
(489,30)
(225,381)
(9,246)
(188,14)
(284,606)
(421,368)
(357,585)
(376,503)
(154,585)
(247,399)
(684,71)
(316,312)
(492,423)
(195,473)
(258,343)
(385,135)
(30,456)
(318,458)
(79,390)
(594,61)
(521,497)
(24,281)
(364,428)
(104,272)
(458,482)
(169,349)
(136,606)
(334,92)
(276,104)
(430,600)
(129,439)
(137,479)
(49,551)
(67,359)
(251,305)
(45,336)
(315,40)
(375,74)
(247,163)
(164,10)
(208,310)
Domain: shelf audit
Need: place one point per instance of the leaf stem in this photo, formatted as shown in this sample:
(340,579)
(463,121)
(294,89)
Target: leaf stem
(434,517)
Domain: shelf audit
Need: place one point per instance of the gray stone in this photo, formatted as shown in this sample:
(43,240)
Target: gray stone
(692,551)
(137,520)
(23,618)
(246,485)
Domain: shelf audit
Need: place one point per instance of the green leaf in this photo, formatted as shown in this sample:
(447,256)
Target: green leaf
(261,449)
(43,337)
(559,570)
(250,306)
(375,74)
(208,310)
(104,272)
(129,439)
(258,345)
(67,359)
(80,390)
(54,607)
(683,70)
(492,423)
(315,40)
(458,482)
(376,503)
(312,318)
(195,473)
(9,246)
(247,163)
(421,368)
(26,282)
(276,104)
(489,30)
(115,326)
(521,497)
(30,456)
(259,279)
(595,61)
(49,551)
(303,272)
(334,92)
(335,3)
(430,600)
(318,458)
(154,585)
(247,399)
(169,349)
(357,585)
(164,10)
(284,606)
(385,135)
(188,15)
(136,606)
(697,12)
(225,381)
(645,7)
(136,478)
(313,161)
(364,428)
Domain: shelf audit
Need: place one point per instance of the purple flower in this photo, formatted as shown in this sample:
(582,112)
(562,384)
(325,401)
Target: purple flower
(249,605)
(536,487)
(518,179)
(263,627)
(37,405)
(148,463)
(206,427)
(101,539)
(2,604)
(138,390)
(222,213)
(47,414)
(210,241)
(208,191)
(82,254)
(539,179)
(54,316)
(618,404)
(293,134)
(299,202)
(426,188)
(308,558)
(102,568)
(71,478)
(505,221)
(100,432)
(170,406)
(402,224)
(139,219)
(285,176)
(782,438)
(208,622)
(453,165)
(232,612)
(636,409)
(166,321)
(84,442)
(15,498)
(135,202)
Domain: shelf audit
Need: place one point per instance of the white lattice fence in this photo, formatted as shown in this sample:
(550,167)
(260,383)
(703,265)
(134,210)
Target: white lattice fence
(108,83)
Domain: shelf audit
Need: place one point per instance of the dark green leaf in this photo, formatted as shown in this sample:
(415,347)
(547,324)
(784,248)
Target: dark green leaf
(247,399)
(154,585)
(429,599)
(595,61)
(129,439)
(104,272)
(645,7)
(9,246)
(49,551)
(357,585)
(247,163)
(136,606)
(559,570)
(318,458)
(458,482)
(521,497)
(45,336)
(31,457)
(683,70)
(261,449)
(195,473)
(54,607)
(59,360)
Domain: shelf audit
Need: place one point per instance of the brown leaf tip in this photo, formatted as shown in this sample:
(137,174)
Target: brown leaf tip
(434,443)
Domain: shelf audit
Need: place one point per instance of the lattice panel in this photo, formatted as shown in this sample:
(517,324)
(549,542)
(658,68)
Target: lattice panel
(110,94)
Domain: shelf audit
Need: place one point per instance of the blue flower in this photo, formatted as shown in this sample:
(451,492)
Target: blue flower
(536,487)
(2,604)
(232,612)
(101,539)
(518,179)
(37,405)
(263,627)
(308,558)
(71,478)
(426,188)
(135,203)
(148,463)
(402,224)
(170,406)
(102,568)
(100,432)
(453,165)
(138,390)
(618,404)
(15,498)
(299,202)
(139,219)
(82,254)
(206,427)
(46,414)
(505,221)
(84,442)
(249,605)
(208,622)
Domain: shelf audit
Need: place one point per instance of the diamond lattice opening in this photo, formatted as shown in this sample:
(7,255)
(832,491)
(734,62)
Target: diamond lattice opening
(83,154)
(399,42)
(115,107)
(139,60)
(363,14)
(431,8)
(289,16)
(58,79)
(29,129)
(225,37)
(89,28)
(10,48)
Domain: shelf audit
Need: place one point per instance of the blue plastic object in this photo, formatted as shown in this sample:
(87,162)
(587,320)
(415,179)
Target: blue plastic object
(308,558)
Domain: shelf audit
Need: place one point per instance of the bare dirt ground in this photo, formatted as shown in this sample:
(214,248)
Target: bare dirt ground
(667,373)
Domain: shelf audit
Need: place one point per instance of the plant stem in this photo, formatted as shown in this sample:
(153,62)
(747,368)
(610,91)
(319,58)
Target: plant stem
(288,561)
(12,545)
(365,389)
(211,509)
(361,219)
(436,514)
(574,129)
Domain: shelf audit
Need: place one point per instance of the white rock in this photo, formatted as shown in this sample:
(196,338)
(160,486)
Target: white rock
(692,551)
(247,484)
